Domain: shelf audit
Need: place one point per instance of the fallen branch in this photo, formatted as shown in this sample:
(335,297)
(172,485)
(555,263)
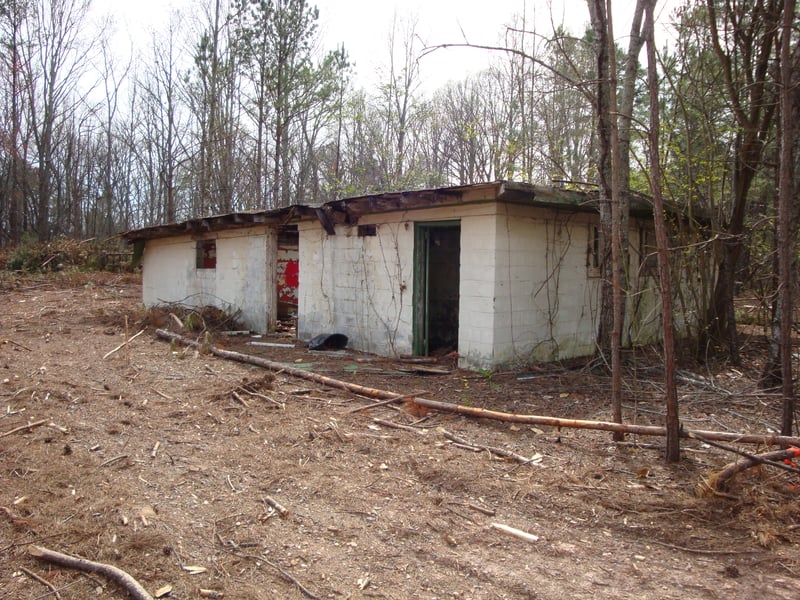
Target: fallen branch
(700,550)
(113,460)
(133,587)
(43,581)
(24,427)
(58,428)
(652,430)
(123,344)
(762,459)
(15,518)
(264,560)
(282,368)
(398,426)
(719,481)
(262,396)
(490,449)
(18,345)
(391,400)
(486,511)
(282,510)
(239,399)
(177,320)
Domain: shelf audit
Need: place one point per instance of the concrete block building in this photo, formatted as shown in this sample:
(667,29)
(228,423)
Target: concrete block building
(505,274)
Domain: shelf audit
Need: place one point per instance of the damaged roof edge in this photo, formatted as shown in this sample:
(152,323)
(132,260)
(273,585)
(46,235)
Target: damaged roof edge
(349,210)
(200,225)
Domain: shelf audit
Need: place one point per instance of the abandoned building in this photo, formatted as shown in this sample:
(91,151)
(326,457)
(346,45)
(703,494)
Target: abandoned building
(505,274)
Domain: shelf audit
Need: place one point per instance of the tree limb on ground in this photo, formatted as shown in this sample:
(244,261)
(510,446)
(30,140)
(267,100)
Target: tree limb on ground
(761,459)
(123,344)
(719,481)
(490,449)
(651,430)
(24,427)
(133,587)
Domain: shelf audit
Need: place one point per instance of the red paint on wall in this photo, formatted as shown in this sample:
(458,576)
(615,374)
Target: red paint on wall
(288,264)
(291,273)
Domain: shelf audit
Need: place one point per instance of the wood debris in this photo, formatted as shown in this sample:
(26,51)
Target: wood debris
(27,427)
(523,535)
(134,588)
(652,430)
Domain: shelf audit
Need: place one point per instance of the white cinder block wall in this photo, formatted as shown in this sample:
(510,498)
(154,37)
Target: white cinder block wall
(527,293)
(544,302)
(244,278)
(358,286)
(478,301)
(246,275)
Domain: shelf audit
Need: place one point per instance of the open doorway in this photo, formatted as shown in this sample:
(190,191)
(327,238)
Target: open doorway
(287,272)
(437,261)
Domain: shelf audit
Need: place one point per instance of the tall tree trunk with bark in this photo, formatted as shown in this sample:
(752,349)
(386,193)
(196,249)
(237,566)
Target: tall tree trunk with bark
(603,113)
(673,449)
(787,235)
(610,327)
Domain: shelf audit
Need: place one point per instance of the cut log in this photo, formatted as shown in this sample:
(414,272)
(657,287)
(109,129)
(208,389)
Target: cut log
(649,430)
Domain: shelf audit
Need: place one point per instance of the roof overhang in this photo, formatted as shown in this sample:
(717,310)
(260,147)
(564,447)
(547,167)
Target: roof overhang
(205,225)
(348,211)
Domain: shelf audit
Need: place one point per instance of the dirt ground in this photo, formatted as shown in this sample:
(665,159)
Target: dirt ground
(177,467)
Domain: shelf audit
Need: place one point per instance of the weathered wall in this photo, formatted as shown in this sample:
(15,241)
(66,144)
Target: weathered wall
(527,292)
(244,278)
(358,286)
(363,286)
(545,299)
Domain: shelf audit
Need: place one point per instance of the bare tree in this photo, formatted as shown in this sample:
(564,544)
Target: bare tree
(399,102)
(55,61)
(111,87)
(162,124)
(662,244)
(610,327)
(12,16)
(743,38)
(567,140)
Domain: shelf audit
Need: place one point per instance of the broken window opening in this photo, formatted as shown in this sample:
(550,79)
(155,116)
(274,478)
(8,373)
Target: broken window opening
(206,254)
(367,230)
(594,261)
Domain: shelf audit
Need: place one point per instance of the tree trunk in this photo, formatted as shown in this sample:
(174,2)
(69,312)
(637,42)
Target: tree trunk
(628,94)
(611,317)
(786,241)
(673,449)
(604,167)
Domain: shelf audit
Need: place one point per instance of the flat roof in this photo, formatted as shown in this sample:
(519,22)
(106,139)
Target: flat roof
(349,210)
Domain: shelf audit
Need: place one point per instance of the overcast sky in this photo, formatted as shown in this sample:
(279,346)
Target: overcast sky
(364,25)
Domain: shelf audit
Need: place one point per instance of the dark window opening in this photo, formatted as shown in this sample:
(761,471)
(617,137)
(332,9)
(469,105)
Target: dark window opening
(367,230)
(206,254)
(595,248)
